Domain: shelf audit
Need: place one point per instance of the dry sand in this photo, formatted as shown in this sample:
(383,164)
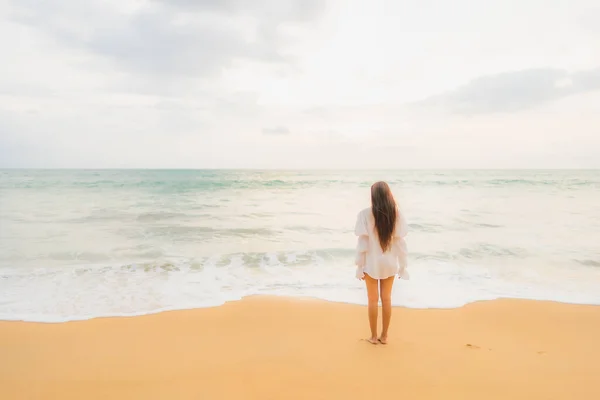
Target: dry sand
(277,348)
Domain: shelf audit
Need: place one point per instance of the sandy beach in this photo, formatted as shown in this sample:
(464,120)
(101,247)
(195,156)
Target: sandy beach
(281,348)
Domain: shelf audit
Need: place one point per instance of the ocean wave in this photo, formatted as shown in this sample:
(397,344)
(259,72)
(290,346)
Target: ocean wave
(474,182)
(79,256)
(485,250)
(170,181)
(481,252)
(99,215)
(589,263)
(158,261)
(484,225)
(132,215)
(160,216)
(192,233)
(458,225)
(169,185)
(423,227)
(150,254)
(47,295)
(312,229)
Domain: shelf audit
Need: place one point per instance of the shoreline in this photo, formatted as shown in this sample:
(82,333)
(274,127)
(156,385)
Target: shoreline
(291,298)
(264,347)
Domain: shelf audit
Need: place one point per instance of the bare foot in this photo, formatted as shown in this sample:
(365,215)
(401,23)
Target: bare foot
(383,340)
(372,340)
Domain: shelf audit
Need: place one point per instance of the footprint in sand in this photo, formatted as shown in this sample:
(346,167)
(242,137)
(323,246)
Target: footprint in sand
(475,347)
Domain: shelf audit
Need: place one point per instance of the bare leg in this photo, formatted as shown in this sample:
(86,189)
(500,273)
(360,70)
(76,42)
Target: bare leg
(386,303)
(373,296)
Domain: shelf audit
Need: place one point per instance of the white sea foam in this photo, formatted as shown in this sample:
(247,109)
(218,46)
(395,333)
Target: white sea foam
(76,293)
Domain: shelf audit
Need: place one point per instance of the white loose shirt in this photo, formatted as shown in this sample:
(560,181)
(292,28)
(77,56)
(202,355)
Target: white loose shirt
(370,258)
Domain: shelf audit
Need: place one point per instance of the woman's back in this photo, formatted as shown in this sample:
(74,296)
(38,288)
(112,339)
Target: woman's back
(371,258)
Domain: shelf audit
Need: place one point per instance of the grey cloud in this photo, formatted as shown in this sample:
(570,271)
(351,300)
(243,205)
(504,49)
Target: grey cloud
(279,130)
(149,45)
(295,10)
(156,41)
(515,91)
(587,80)
(269,14)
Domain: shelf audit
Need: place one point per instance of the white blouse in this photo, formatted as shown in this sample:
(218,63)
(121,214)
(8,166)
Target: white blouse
(370,258)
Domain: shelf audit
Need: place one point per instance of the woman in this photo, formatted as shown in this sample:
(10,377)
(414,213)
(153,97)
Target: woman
(381,254)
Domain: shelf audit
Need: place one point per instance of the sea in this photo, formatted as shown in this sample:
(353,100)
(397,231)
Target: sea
(80,244)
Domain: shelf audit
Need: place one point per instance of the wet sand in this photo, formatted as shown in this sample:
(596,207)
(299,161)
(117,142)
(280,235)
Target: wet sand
(279,348)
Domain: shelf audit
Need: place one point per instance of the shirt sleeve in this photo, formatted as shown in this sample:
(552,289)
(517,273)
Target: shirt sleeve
(362,244)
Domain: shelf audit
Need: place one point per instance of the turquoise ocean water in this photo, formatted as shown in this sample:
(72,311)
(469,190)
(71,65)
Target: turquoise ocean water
(77,244)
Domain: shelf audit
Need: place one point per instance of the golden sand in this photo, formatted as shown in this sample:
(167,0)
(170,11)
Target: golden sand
(278,348)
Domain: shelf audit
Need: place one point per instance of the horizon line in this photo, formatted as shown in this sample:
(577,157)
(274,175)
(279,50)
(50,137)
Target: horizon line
(291,169)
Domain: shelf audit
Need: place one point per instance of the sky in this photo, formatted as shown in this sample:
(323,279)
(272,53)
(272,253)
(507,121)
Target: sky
(292,84)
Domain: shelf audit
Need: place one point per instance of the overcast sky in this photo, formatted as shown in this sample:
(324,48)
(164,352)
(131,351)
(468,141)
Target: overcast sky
(300,84)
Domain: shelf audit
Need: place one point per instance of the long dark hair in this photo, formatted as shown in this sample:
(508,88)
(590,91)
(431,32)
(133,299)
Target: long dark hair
(383,207)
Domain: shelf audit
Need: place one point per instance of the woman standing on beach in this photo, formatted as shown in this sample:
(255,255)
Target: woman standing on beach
(381,254)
